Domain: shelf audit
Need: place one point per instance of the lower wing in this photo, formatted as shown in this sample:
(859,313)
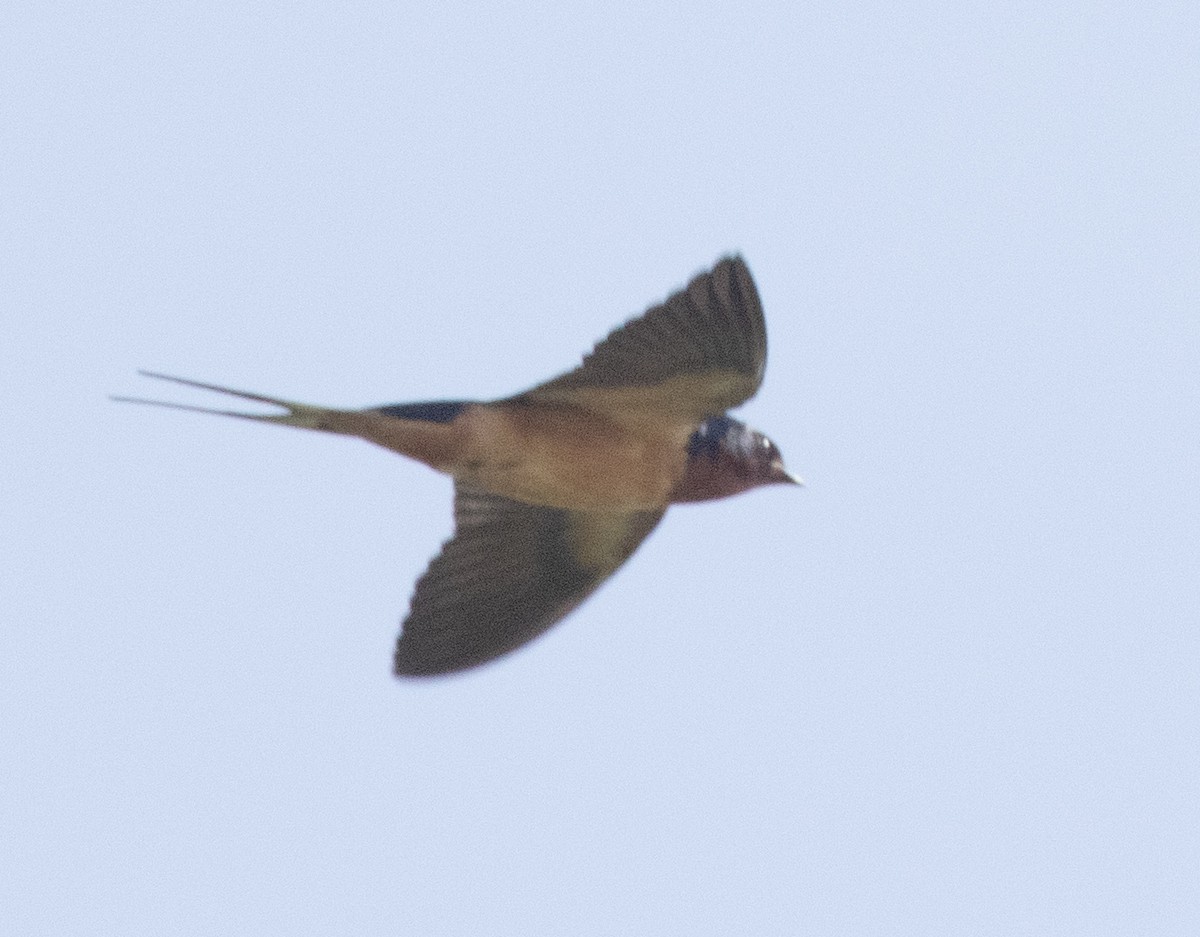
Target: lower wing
(510,572)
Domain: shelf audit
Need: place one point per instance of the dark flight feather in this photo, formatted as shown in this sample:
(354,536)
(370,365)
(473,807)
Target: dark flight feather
(711,332)
(511,571)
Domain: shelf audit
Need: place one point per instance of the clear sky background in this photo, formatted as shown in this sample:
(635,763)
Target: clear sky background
(949,688)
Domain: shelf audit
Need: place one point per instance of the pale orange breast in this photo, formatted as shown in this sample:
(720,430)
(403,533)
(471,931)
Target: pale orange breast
(568,457)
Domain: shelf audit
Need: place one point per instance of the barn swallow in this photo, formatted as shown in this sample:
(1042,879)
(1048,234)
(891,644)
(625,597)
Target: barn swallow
(554,488)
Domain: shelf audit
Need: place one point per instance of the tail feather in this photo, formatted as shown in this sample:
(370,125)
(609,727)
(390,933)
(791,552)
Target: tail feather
(298,414)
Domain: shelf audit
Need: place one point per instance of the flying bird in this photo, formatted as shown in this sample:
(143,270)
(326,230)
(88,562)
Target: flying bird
(555,487)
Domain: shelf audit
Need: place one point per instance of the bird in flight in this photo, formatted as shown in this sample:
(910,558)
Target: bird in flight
(555,487)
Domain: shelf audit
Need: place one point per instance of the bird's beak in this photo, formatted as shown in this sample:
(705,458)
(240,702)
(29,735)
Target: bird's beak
(783,476)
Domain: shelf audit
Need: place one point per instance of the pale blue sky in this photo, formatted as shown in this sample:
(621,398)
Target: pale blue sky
(949,688)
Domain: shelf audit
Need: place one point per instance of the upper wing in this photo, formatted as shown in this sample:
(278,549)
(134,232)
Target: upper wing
(698,354)
(510,571)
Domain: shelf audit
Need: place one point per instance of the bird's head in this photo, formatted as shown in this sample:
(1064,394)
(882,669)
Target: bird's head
(726,457)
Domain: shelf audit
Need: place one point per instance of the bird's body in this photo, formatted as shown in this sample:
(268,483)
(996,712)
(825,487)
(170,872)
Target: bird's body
(555,487)
(548,453)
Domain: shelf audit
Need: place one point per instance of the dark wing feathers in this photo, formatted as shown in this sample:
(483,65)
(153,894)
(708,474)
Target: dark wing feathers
(510,571)
(713,328)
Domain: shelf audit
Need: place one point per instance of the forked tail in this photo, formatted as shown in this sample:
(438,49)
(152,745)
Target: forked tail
(298,414)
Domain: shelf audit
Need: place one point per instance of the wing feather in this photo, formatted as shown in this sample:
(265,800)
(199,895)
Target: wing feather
(702,351)
(510,572)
